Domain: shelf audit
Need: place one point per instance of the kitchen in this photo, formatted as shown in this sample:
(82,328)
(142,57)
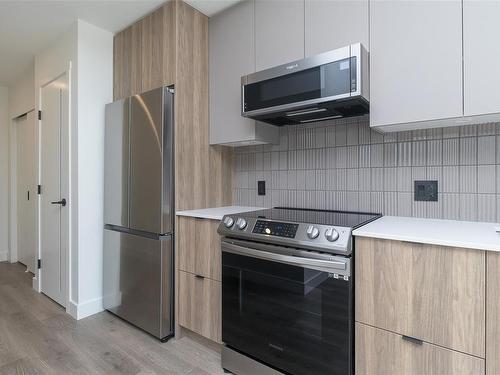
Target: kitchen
(318,189)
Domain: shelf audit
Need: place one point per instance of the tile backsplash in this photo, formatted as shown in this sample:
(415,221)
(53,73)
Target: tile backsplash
(343,164)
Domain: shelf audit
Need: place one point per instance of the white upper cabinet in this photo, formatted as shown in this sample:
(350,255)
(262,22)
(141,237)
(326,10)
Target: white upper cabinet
(331,24)
(415,61)
(481,57)
(232,55)
(279,32)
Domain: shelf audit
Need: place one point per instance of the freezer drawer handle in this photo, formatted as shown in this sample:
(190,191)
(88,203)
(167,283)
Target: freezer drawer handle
(62,202)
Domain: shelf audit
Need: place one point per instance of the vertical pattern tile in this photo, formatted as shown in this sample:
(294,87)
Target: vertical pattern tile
(486,150)
(486,179)
(344,164)
(468,151)
(435,152)
(451,151)
(486,207)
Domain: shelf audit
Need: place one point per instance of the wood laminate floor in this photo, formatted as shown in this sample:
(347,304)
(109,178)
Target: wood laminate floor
(38,337)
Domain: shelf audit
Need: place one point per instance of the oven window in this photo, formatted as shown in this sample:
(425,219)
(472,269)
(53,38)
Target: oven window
(294,319)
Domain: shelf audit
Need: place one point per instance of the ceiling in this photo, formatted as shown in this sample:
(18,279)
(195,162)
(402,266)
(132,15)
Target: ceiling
(211,7)
(27,27)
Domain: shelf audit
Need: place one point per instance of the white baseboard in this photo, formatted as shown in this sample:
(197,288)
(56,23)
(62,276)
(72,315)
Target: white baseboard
(36,285)
(85,309)
(4,255)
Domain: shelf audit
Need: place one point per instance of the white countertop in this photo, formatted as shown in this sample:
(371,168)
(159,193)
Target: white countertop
(217,213)
(467,234)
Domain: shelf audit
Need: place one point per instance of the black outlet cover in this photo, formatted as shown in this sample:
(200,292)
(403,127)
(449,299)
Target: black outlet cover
(261,187)
(426,191)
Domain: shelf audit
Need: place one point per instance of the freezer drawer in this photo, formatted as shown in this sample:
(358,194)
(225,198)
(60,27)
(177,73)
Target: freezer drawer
(138,280)
(116,169)
(151,177)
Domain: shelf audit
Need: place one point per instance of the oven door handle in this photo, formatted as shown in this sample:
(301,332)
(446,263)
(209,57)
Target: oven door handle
(330,266)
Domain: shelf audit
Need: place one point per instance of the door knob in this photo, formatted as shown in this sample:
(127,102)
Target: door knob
(62,202)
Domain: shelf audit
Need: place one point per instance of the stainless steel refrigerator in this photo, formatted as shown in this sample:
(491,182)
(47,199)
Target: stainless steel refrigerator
(139,211)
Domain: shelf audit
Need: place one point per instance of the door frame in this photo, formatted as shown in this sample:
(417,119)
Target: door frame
(13,255)
(66,214)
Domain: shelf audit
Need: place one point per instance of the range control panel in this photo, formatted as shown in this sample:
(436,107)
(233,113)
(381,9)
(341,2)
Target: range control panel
(316,237)
(274,228)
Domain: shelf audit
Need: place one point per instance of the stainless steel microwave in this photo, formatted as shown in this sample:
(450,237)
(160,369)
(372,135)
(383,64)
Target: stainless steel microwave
(330,85)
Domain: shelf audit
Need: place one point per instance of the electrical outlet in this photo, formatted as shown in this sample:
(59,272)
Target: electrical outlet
(261,187)
(426,191)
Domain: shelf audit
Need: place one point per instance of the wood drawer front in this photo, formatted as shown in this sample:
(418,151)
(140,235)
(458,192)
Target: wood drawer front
(433,293)
(199,247)
(200,305)
(380,352)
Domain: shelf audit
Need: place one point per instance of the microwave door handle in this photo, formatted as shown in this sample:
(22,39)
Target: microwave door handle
(317,264)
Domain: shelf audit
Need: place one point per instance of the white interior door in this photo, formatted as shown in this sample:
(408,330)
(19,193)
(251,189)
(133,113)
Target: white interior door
(53,213)
(26,190)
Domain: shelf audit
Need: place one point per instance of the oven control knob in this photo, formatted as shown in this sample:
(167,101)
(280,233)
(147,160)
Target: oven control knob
(228,221)
(331,235)
(241,223)
(312,232)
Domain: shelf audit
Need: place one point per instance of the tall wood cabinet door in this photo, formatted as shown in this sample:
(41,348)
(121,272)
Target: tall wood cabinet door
(199,247)
(415,61)
(152,50)
(334,24)
(200,305)
(380,352)
(121,63)
(279,32)
(232,55)
(481,57)
(493,314)
(433,293)
(158,47)
(136,58)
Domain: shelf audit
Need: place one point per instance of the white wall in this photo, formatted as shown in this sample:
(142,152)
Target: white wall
(89,51)
(22,93)
(4,173)
(95,89)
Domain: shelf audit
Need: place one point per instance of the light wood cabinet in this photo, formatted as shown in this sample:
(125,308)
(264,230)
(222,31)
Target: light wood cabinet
(380,352)
(335,24)
(199,275)
(415,61)
(493,314)
(433,293)
(279,32)
(200,305)
(158,47)
(199,249)
(481,55)
(135,58)
(127,62)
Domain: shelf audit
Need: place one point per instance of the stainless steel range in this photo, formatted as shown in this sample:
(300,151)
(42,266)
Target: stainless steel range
(287,291)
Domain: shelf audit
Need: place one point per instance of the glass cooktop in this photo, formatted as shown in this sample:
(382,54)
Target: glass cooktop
(309,216)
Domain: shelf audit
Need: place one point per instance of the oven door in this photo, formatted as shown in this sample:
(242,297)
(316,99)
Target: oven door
(291,313)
